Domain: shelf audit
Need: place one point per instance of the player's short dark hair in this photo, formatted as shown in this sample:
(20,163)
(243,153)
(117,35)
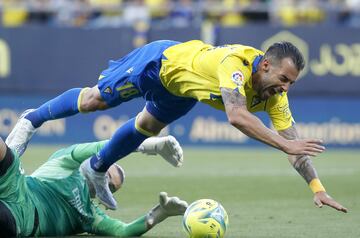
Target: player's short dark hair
(284,49)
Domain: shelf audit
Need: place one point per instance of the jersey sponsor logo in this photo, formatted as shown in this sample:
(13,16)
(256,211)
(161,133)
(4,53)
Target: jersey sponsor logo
(79,205)
(237,77)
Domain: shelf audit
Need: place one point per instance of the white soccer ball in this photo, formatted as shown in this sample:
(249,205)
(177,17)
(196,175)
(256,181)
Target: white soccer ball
(205,218)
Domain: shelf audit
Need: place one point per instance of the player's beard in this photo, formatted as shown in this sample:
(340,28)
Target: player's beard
(266,89)
(267,93)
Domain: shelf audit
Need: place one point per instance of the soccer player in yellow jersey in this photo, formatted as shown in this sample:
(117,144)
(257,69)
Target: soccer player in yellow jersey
(172,77)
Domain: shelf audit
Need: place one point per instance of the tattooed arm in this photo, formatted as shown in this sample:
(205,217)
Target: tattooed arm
(287,141)
(242,119)
(303,165)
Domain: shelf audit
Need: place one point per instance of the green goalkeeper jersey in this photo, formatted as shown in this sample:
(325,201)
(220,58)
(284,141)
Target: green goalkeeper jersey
(61,197)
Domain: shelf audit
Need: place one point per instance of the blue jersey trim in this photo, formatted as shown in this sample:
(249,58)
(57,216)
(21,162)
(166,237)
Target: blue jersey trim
(256,63)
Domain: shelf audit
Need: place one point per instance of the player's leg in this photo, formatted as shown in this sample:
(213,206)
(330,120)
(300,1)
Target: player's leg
(127,139)
(155,116)
(140,73)
(3,150)
(114,87)
(7,221)
(6,159)
(124,141)
(67,104)
(15,201)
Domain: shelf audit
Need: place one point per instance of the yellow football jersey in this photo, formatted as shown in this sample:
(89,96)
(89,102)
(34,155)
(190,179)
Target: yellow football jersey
(198,70)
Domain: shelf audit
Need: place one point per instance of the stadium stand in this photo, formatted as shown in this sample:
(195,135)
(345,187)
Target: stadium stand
(178,13)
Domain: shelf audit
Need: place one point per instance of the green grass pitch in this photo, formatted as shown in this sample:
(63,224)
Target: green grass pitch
(261,192)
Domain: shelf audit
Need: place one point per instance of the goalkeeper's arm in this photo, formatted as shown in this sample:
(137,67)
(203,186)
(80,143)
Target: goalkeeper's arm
(107,226)
(83,151)
(167,207)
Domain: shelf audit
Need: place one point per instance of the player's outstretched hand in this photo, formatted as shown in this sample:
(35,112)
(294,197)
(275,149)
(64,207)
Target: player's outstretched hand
(172,206)
(310,147)
(322,198)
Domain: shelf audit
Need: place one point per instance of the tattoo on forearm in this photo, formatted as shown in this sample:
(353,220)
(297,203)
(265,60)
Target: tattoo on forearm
(304,167)
(302,163)
(232,98)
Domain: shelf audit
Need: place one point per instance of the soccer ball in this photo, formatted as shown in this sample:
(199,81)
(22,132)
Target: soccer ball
(205,218)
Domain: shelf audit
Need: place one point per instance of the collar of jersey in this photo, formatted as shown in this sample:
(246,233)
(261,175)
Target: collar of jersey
(256,63)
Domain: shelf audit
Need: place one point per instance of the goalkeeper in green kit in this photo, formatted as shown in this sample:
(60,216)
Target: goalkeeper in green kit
(56,199)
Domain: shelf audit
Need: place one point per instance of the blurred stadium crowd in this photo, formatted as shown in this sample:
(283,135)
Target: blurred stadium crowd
(178,13)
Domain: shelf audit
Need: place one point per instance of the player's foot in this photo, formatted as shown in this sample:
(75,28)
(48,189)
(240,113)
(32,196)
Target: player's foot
(172,206)
(167,147)
(21,134)
(101,185)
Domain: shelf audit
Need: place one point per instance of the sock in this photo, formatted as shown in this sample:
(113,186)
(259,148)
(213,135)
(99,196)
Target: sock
(124,141)
(62,106)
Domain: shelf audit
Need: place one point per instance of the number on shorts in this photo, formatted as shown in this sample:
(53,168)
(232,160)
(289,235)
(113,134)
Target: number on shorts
(128,91)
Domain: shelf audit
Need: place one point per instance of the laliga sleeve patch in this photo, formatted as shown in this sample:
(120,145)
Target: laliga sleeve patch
(237,77)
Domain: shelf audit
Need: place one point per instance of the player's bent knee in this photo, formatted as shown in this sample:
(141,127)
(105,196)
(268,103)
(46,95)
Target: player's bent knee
(90,100)
(145,131)
(148,125)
